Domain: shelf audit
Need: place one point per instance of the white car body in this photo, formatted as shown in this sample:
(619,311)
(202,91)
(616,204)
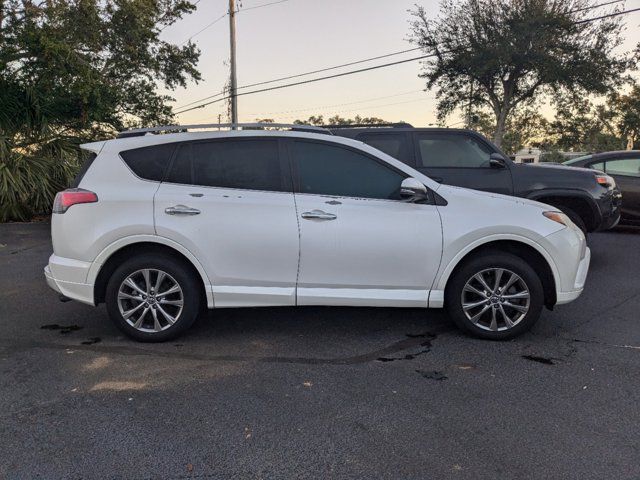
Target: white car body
(252,248)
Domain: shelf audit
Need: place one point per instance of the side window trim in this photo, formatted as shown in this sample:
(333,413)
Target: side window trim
(286,175)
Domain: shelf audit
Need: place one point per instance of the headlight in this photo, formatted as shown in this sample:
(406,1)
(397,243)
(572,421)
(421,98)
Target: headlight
(606,181)
(558,217)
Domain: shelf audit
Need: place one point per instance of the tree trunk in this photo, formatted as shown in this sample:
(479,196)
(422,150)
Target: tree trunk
(501,119)
(630,142)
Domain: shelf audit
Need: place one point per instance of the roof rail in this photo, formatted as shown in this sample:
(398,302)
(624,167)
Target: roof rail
(137,132)
(370,125)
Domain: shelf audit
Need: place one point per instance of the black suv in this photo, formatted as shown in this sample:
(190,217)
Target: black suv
(467,159)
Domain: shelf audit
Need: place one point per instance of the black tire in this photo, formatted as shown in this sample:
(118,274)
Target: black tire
(575,218)
(483,262)
(177,272)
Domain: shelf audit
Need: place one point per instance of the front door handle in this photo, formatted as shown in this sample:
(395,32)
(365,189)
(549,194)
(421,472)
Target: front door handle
(181,210)
(319,215)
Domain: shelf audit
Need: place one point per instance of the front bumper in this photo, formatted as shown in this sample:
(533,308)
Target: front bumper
(68,277)
(579,281)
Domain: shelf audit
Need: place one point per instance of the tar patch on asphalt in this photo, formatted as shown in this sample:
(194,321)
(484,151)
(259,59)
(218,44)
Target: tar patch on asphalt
(91,341)
(61,328)
(426,344)
(543,360)
(432,375)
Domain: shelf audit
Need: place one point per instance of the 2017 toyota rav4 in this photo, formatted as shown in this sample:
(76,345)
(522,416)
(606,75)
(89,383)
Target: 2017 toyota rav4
(160,225)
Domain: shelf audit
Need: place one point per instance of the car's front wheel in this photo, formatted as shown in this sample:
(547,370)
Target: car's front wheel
(153,298)
(495,295)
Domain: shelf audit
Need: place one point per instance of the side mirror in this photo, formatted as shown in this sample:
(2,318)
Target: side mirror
(496,160)
(412,190)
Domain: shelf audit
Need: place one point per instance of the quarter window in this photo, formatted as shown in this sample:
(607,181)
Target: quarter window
(244,164)
(447,150)
(334,170)
(628,166)
(149,163)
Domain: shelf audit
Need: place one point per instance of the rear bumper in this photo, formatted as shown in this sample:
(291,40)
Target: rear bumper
(68,277)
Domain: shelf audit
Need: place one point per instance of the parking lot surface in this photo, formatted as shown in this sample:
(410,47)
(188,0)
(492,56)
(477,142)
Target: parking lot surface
(319,392)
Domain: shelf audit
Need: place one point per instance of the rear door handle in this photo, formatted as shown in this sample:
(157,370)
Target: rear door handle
(319,215)
(181,210)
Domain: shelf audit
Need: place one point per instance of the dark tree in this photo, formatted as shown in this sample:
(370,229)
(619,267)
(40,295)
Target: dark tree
(502,54)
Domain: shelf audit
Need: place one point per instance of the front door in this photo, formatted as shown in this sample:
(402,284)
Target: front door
(359,243)
(462,160)
(626,172)
(230,203)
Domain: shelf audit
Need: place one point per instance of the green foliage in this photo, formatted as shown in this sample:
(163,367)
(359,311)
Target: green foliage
(74,71)
(526,127)
(503,54)
(554,156)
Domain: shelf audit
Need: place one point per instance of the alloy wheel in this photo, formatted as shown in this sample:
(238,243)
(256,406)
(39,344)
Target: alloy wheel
(495,299)
(150,300)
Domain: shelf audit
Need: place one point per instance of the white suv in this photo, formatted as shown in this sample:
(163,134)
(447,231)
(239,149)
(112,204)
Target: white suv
(160,225)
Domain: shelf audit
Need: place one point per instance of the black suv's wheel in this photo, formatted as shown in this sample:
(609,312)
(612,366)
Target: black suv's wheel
(495,295)
(153,298)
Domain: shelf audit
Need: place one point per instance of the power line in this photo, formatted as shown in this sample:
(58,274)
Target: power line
(356,62)
(266,5)
(335,67)
(312,80)
(227,13)
(614,14)
(352,72)
(325,107)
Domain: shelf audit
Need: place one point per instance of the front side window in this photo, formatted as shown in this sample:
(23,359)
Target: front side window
(338,171)
(149,163)
(393,144)
(243,164)
(627,166)
(447,150)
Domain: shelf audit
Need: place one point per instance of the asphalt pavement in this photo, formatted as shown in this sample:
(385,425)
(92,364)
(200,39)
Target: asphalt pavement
(319,392)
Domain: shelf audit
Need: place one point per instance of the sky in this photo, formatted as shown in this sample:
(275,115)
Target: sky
(296,36)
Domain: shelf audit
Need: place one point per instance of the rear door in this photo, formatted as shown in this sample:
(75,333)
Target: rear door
(359,243)
(230,203)
(626,172)
(462,160)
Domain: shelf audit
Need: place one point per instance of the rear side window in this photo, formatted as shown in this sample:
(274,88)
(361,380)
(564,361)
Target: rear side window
(244,164)
(393,144)
(149,163)
(333,170)
(456,151)
(89,158)
(626,166)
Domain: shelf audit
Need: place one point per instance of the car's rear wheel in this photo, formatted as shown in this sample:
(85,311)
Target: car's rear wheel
(153,298)
(495,295)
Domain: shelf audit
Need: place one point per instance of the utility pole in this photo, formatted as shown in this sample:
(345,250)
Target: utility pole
(233,83)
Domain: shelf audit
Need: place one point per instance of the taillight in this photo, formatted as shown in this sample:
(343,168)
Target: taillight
(72,196)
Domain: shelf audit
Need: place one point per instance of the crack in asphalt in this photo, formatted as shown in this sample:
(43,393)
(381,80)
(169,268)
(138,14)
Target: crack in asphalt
(412,341)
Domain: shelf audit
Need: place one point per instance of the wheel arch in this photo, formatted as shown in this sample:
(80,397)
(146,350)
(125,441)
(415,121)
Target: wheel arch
(109,259)
(579,202)
(530,251)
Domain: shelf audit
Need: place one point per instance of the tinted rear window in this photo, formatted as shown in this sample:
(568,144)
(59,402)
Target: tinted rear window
(149,163)
(89,158)
(393,144)
(245,164)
